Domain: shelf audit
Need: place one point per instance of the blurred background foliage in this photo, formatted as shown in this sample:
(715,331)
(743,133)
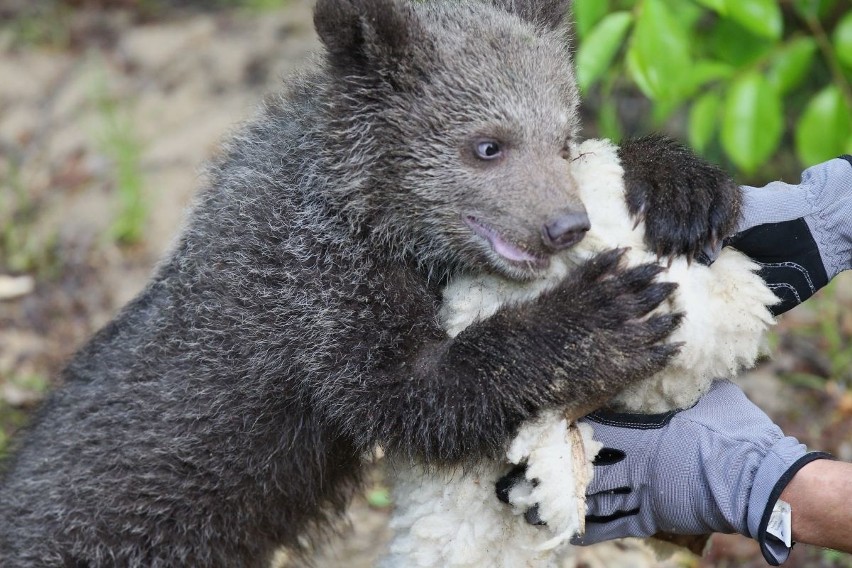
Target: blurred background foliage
(761,86)
(749,83)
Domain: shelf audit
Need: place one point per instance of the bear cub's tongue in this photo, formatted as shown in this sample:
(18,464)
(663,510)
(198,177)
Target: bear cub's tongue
(501,246)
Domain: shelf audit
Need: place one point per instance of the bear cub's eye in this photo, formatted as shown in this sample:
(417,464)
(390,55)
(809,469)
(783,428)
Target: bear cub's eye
(488,149)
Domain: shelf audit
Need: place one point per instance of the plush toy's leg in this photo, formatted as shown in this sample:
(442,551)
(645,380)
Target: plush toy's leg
(454,520)
(558,459)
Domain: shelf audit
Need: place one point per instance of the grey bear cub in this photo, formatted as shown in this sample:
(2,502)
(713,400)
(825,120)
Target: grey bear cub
(226,410)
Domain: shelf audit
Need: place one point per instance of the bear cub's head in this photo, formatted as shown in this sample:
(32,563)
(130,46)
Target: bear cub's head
(459,117)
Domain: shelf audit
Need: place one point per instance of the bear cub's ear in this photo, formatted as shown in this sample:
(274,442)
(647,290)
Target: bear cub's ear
(547,14)
(367,34)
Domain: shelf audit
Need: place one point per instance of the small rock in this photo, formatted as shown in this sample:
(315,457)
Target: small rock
(844,406)
(17,397)
(12,287)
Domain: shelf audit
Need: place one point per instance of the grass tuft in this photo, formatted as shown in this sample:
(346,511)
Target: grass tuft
(23,249)
(118,142)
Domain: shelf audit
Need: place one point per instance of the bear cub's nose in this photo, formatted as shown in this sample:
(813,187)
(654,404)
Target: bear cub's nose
(566,230)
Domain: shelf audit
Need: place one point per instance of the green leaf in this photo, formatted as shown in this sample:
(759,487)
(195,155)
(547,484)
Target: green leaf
(703,120)
(732,43)
(843,39)
(791,64)
(814,9)
(595,54)
(687,12)
(608,121)
(587,13)
(718,6)
(824,128)
(662,111)
(706,71)
(761,17)
(658,59)
(752,123)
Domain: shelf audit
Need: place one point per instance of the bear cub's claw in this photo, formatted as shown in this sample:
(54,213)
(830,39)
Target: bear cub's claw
(613,305)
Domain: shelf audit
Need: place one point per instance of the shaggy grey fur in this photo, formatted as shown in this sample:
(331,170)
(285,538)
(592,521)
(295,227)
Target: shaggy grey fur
(226,410)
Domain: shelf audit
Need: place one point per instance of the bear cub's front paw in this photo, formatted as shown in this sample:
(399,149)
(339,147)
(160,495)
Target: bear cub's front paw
(687,203)
(615,304)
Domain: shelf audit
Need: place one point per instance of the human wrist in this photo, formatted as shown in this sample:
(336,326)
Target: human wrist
(802,489)
(817,495)
(782,462)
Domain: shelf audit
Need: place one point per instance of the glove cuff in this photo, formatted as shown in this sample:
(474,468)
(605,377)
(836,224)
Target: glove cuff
(782,462)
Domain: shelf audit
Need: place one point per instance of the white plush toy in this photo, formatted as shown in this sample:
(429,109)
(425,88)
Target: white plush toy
(452,518)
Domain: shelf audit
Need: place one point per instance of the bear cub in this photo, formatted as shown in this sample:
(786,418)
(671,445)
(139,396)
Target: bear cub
(294,326)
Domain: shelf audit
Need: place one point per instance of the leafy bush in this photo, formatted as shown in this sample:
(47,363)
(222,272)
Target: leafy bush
(749,71)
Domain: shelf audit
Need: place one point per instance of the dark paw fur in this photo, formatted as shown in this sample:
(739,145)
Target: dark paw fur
(613,303)
(615,295)
(623,299)
(687,203)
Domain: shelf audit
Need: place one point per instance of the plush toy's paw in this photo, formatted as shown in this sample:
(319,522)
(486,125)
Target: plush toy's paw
(687,204)
(548,484)
(515,489)
(513,480)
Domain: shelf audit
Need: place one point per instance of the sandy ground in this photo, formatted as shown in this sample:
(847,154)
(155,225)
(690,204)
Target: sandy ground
(172,89)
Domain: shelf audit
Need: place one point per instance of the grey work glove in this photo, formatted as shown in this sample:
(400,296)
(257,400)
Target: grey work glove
(800,234)
(719,466)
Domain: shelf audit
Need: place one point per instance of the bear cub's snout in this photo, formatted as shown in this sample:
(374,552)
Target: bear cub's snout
(565,230)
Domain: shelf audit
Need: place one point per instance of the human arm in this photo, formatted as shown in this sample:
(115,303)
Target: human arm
(817,492)
(719,466)
(802,235)
(820,496)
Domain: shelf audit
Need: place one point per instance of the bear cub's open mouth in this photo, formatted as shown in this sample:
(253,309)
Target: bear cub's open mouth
(504,248)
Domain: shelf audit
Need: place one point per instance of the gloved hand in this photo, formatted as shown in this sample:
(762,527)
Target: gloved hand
(800,234)
(719,466)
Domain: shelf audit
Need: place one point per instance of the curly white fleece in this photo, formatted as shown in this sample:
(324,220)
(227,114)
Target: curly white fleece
(452,518)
